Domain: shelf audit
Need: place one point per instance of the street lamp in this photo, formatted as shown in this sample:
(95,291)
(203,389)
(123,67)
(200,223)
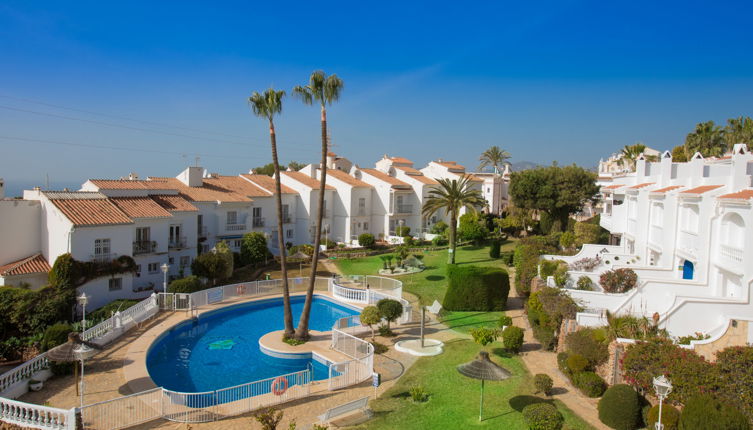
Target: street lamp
(663,387)
(81,351)
(165,268)
(326,234)
(83,300)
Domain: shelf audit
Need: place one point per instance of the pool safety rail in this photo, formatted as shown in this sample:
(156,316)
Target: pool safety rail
(127,411)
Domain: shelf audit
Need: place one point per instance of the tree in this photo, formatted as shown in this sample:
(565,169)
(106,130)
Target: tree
(739,130)
(493,157)
(631,152)
(267,169)
(452,195)
(471,228)
(254,248)
(390,310)
(678,154)
(559,191)
(223,250)
(708,139)
(484,335)
(266,106)
(370,315)
(294,165)
(325,90)
(211,265)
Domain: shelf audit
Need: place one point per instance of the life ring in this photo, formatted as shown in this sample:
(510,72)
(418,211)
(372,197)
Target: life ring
(240,290)
(279,386)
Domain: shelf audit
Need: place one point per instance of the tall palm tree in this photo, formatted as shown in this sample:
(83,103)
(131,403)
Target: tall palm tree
(738,130)
(324,90)
(452,195)
(708,139)
(631,152)
(266,106)
(494,157)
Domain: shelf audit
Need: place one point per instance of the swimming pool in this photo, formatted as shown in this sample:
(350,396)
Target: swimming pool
(221,348)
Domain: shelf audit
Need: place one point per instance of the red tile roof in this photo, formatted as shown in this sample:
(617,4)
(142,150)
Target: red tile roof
(174,203)
(401,160)
(344,177)
(702,189)
(639,186)
(26,266)
(667,189)
(238,185)
(267,183)
(126,184)
(307,180)
(417,175)
(394,182)
(88,209)
(740,195)
(140,207)
(210,191)
(612,187)
(450,165)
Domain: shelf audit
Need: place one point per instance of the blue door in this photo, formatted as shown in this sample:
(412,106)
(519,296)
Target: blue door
(687,270)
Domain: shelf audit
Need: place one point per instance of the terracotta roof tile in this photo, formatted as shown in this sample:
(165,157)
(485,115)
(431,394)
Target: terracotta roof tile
(378,174)
(740,195)
(267,183)
(126,184)
(612,187)
(401,160)
(88,209)
(471,178)
(174,203)
(702,189)
(307,180)
(667,189)
(344,177)
(450,165)
(643,185)
(140,207)
(417,175)
(210,191)
(238,185)
(26,266)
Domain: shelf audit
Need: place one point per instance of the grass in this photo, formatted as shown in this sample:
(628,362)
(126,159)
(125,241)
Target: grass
(454,399)
(465,321)
(430,284)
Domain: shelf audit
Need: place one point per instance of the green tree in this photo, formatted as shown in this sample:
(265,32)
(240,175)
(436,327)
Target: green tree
(493,157)
(452,195)
(370,315)
(223,250)
(708,139)
(559,191)
(390,310)
(267,169)
(324,90)
(294,165)
(739,130)
(211,265)
(471,228)
(266,106)
(678,154)
(254,248)
(630,153)
(189,284)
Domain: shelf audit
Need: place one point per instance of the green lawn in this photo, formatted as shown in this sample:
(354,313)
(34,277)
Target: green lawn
(454,399)
(465,321)
(430,284)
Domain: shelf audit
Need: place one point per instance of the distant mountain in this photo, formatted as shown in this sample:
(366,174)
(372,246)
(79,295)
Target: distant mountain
(523,165)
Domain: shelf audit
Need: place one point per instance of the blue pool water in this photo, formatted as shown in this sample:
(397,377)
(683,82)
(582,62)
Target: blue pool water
(221,348)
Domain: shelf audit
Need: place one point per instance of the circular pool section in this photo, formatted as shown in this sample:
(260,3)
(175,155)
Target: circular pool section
(220,348)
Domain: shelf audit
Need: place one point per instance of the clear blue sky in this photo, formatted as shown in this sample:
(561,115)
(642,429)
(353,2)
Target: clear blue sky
(566,81)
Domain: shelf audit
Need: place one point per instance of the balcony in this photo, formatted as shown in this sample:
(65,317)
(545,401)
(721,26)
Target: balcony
(286,219)
(144,247)
(258,222)
(103,258)
(178,242)
(656,235)
(235,227)
(731,253)
(688,242)
(402,209)
(203,231)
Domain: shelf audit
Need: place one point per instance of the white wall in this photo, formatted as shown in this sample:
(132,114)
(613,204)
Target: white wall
(20,234)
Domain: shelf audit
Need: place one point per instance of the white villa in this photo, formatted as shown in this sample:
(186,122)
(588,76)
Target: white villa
(686,229)
(169,221)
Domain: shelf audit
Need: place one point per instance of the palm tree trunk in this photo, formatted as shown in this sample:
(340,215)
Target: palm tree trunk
(302,332)
(287,313)
(453,234)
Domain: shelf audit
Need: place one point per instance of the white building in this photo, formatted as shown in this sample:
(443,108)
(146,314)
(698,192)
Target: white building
(686,230)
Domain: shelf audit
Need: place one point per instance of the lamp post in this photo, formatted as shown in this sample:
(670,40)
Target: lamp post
(326,234)
(165,268)
(663,387)
(83,300)
(82,350)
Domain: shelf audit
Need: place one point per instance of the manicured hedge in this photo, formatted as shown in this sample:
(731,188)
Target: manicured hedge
(590,384)
(670,417)
(512,338)
(583,342)
(704,412)
(190,284)
(619,408)
(543,416)
(366,240)
(473,288)
(494,248)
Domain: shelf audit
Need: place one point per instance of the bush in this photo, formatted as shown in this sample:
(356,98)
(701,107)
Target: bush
(670,417)
(189,284)
(512,338)
(734,376)
(586,233)
(402,231)
(704,412)
(390,310)
(505,321)
(470,227)
(107,310)
(54,335)
(583,342)
(561,276)
(473,288)
(545,336)
(439,228)
(590,384)
(484,335)
(585,283)
(618,280)
(439,241)
(543,383)
(329,243)
(367,240)
(543,416)
(567,240)
(211,265)
(546,310)
(418,394)
(494,248)
(562,363)
(577,363)
(254,248)
(507,257)
(619,407)
(548,267)
(585,264)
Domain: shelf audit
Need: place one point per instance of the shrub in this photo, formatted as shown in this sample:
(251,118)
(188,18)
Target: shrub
(189,284)
(548,267)
(525,259)
(494,248)
(385,331)
(619,407)
(54,335)
(585,264)
(107,310)
(507,257)
(484,335)
(543,416)
(473,288)
(408,241)
(366,240)
(439,228)
(505,321)
(512,338)
(562,363)
(402,231)
(370,316)
(618,280)
(586,233)
(328,243)
(577,363)
(543,383)
(734,376)
(254,248)
(670,417)
(561,276)
(567,240)
(584,343)
(418,394)
(545,336)
(585,283)
(590,384)
(211,265)
(269,418)
(470,227)
(546,310)
(439,241)
(704,412)
(390,310)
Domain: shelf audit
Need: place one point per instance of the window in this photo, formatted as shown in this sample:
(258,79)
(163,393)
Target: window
(289,233)
(361,206)
(237,243)
(102,247)
(689,218)
(185,261)
(657,215)
(171,260)
(138,270)
(153,268)
(200,224)
(232,217)
(285,213)
(115,284)
(142,234)
(365,226)
(175,235)
(257,211)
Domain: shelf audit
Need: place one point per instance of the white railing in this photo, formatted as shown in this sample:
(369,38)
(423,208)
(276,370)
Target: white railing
(350,294)
(36,416)
(23,372)
(124,411)
(356,370)
(235,227)
(731,253)
(689,242)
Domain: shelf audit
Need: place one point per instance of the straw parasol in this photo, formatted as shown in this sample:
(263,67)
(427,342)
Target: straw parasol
(75,349)
(301,257)
(486,370)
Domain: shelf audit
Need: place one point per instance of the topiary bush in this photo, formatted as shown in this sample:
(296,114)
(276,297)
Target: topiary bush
(583,342)
(543,416)
(619,407)
(390,310)
(473,288)
(670,417)
(512,338)
(507,257)
(577,363)
(484,335)
(590,384)
(543,383)
(562,363)
(366,240)
(505,321)
(704,412)
(618,280)
(494,248)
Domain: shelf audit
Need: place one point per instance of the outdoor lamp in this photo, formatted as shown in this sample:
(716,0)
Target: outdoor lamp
(663,387)
(165,267)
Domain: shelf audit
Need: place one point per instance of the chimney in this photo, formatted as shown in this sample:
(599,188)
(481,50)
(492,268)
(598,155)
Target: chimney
(192,176)
(2,189)
(133,177)
(665,169)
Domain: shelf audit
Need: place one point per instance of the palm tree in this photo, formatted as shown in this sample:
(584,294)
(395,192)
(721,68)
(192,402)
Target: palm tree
(708,139)
(266,106)
(738,130)
(325,90)
(452,195)
(631,152)
(494,157)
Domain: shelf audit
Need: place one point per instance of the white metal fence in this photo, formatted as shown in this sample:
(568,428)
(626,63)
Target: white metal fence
(37,416)
(361,365)
(124,411)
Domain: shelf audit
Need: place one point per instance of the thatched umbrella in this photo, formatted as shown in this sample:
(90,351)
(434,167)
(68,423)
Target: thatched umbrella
(486,370)
(76,349)
(301,257)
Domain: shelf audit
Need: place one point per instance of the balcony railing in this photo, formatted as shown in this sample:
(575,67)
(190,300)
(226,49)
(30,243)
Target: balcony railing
(103,258)
(403,209)
(688,242)
(178,242)
(203,231)
(286,219)
(235,227)
(731,253)
(258,222)
(144,247)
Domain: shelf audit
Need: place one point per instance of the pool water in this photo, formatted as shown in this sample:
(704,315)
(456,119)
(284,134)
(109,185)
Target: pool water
(221,348)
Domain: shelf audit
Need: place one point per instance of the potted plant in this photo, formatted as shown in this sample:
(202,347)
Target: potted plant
(35,385)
